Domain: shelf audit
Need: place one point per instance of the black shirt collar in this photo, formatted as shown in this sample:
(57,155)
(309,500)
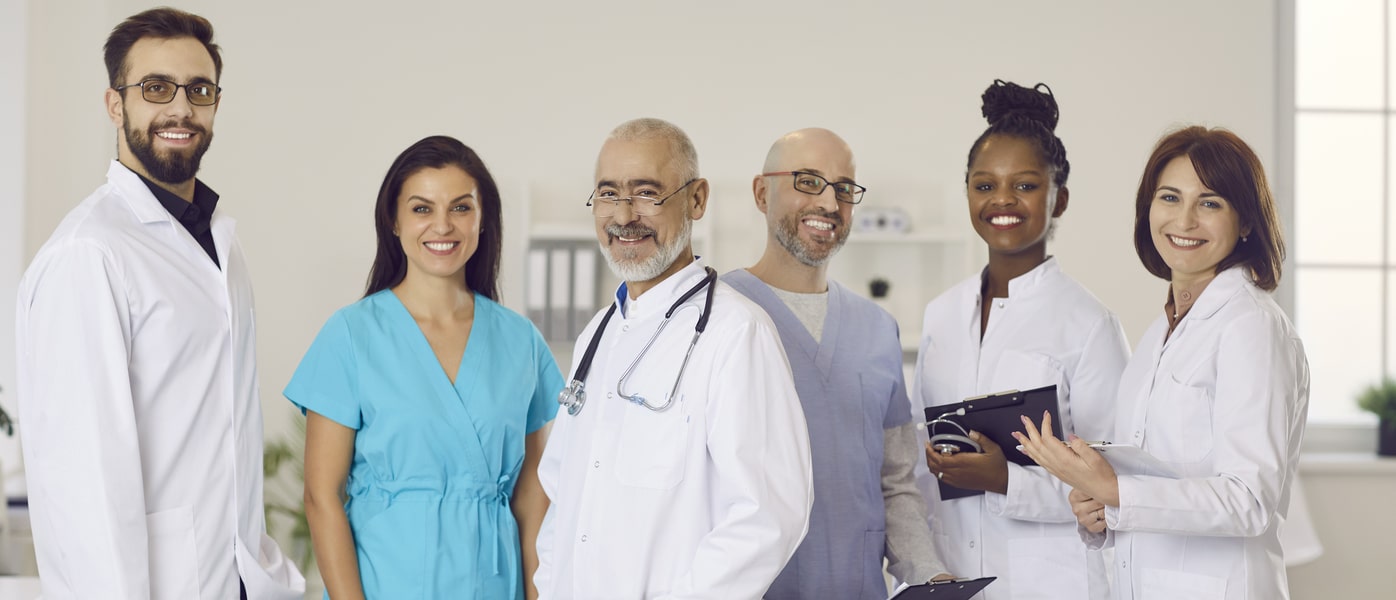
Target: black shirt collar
(196,215)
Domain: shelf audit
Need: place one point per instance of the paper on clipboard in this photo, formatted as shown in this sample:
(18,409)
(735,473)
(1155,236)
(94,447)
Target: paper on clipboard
(1128,459)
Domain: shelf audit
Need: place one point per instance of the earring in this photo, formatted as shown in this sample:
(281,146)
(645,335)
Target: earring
(1243,239)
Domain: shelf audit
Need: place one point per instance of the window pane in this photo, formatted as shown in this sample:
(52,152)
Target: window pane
(1338,314)
(1338,188)
(1338,53)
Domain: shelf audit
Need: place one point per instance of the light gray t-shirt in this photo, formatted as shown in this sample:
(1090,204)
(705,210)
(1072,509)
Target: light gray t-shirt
(810,309)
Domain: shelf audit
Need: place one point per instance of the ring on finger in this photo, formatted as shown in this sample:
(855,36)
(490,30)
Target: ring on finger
(940,475)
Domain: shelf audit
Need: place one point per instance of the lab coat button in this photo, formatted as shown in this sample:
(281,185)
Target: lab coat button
(1000,303)
(971,543)
(584,538)
(596,464)
(612,395)
(624,328)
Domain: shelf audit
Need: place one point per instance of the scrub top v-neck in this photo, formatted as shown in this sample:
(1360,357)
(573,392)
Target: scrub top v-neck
(434,462)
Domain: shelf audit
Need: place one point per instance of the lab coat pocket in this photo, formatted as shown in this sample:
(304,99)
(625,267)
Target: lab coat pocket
(1019,370)
(1047,568)
(653,448)
(1161,584)
(1180,426)
(174,558)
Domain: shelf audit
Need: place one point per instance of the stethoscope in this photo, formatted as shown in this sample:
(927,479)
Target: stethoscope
(574,396)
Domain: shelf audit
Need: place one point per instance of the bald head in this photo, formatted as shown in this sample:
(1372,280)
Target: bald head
(809,143)
(806,225)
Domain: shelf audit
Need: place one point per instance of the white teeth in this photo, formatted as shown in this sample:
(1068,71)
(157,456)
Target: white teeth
(441,246)
(626,239)
(1005,220)
(174,136)
(820,225)
(1184,242)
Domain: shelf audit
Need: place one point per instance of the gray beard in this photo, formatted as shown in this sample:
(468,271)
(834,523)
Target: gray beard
(630,269)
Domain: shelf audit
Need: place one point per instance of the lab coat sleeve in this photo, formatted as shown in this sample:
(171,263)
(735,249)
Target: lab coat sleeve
(758,444)
(80,440)
(1258,414)
(1033,493)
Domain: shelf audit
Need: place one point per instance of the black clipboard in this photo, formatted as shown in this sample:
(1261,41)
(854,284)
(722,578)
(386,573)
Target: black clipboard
(997,416)
(958,589)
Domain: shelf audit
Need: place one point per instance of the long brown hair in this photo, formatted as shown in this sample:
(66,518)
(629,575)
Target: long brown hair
(390,264)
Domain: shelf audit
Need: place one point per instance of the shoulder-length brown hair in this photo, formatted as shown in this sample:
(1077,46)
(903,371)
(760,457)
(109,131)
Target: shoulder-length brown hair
(1229,167)
(438,151)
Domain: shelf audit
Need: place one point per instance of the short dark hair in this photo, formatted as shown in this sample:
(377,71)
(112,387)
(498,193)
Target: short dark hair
(1229,167)
(435,152)
(1025,113)
(160,23)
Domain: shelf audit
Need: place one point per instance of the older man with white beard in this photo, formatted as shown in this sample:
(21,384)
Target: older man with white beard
(683,467)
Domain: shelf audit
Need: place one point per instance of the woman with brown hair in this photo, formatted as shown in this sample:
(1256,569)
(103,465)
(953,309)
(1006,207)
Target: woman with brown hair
(1217,390)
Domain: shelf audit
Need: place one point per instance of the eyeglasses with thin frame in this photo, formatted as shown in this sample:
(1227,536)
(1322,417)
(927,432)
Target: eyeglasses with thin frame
(604,203)
(812,184)
(161,91)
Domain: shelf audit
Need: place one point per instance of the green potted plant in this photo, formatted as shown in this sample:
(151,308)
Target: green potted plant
(1380,399)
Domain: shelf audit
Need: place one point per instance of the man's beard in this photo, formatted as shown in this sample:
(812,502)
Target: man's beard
(175,166)
(788,234)
(632,268)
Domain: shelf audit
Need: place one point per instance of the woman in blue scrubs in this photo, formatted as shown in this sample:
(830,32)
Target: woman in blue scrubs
(426,402)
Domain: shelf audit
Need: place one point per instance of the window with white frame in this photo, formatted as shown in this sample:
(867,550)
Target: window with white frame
(1344,257)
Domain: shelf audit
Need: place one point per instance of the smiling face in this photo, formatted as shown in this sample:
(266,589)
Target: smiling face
(1193,228)
(1012,199)
(164,142)
(438,222)
(811,228)
(643,250)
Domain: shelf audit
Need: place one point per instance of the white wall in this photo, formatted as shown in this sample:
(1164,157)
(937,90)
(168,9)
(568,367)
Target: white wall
(13,61)
(320,96)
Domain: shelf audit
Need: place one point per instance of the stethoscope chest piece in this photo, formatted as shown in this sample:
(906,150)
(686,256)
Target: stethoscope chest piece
(574,396)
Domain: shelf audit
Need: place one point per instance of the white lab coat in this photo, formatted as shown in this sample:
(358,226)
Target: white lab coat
(708,499)
(1224,402)
(1048,331)
(142,427)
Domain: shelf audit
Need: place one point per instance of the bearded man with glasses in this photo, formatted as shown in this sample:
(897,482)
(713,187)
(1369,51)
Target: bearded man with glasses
(686,474)
(142,427)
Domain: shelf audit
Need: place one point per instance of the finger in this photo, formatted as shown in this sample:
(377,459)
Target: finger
(1047,426)
(985,441)
(1029,429)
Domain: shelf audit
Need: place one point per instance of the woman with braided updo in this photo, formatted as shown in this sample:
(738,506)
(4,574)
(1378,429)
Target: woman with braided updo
(1019,324)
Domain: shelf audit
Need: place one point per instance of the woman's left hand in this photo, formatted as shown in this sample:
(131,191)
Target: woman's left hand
(1075,462)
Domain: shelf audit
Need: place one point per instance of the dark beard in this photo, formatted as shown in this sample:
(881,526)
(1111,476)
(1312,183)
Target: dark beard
(175,167)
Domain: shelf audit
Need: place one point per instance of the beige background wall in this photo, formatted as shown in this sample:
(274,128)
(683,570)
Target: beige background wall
(320,96)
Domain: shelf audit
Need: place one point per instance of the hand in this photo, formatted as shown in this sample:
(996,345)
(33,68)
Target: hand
(1090,513)
(987,470)
(942,577)
(1075,463)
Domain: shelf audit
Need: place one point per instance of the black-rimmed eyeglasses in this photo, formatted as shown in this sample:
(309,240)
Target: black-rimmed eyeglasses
(604,203)
(160,91)
(809,183)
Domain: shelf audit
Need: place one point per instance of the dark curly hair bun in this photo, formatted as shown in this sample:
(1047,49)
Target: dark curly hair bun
(1004,99)
(1026,113)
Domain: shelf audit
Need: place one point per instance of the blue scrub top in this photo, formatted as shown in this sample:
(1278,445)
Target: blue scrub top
(434,463)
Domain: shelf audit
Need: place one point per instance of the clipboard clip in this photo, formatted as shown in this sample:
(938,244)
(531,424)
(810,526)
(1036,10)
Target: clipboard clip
(994,400)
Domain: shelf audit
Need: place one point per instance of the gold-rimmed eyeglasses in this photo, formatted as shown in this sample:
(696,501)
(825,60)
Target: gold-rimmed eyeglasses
(605,201)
